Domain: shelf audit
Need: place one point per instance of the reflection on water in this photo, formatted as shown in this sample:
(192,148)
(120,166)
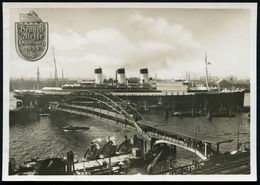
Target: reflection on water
(46,138)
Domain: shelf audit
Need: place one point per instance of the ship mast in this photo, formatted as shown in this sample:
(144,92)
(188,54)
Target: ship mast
(206,61)
(38,78)
(155,80)
(55,73)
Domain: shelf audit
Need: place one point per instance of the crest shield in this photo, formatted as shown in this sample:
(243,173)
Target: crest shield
(31,39)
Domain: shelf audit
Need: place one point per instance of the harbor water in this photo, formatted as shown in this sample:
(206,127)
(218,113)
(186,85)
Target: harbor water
(45,137)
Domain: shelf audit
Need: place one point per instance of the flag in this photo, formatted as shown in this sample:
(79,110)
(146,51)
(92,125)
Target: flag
(209,63)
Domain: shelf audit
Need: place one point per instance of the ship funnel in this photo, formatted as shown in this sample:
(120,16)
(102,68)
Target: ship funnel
(121,76)
(98,76)
(144,77)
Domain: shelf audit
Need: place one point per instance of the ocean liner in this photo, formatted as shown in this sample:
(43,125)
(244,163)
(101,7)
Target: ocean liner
(143,92)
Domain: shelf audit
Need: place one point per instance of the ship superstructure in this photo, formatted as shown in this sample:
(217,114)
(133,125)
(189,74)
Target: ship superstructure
(120,84)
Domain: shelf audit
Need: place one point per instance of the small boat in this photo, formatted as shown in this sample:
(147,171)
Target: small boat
(188,114)
(109,148)
(126,146)
(74,128)
(177,113)
(44,114)
(93,151)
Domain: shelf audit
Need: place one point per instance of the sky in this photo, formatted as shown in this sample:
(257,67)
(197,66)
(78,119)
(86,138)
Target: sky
(168,41)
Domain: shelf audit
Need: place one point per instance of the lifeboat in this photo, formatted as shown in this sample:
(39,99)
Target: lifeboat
(93,151)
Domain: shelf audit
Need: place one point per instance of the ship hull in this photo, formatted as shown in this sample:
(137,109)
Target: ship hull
(177,102)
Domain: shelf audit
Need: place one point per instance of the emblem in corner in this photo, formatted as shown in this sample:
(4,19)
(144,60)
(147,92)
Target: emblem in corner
(31,37)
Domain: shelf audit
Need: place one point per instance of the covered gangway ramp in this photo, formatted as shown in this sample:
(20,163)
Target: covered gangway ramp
(202,145)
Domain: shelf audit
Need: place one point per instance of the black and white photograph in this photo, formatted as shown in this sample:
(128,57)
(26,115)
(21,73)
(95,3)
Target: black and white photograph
(129,91)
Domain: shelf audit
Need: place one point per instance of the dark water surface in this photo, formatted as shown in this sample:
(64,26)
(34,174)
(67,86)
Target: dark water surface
(46,138)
